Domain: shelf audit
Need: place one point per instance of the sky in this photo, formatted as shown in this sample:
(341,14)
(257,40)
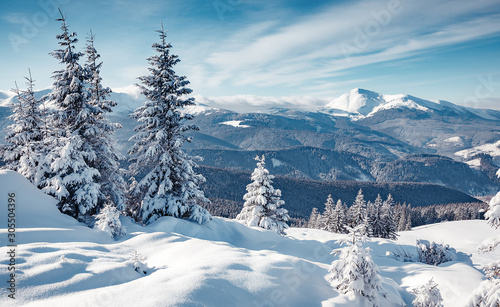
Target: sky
(307,52)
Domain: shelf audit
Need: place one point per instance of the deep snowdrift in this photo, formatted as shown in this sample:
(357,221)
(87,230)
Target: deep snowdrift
(59,262)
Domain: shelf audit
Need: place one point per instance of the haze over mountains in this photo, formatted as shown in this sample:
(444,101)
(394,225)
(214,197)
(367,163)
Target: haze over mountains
(361,135)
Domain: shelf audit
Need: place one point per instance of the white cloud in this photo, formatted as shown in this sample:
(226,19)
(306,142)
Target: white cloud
(252,103)
(308,50)
(132,90)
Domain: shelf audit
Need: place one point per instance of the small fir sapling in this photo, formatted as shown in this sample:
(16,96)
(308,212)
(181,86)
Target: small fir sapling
(427,295)
(263,202)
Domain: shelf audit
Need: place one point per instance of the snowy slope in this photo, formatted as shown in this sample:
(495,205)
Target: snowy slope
(235,123)
(4,96)
(490,149)
(224,263)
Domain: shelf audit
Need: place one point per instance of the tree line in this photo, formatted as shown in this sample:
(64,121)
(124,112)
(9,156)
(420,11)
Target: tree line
(375,219)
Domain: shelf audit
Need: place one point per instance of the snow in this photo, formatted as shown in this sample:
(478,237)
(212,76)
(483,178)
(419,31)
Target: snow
(492,149)
(475,163)
(6,98)
(454,139)
(235,123)
(199,108)
(222,263)
(131,90)
(360,103)
(399,102)
(276,162)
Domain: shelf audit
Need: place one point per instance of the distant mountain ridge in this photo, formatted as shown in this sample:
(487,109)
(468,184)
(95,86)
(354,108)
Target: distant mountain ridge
(361,135)
(361,103)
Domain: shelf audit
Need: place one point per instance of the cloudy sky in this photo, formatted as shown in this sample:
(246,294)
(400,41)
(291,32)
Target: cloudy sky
(316,50)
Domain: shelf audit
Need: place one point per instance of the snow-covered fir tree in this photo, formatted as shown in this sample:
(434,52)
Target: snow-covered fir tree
(488,292)
(263,202)
(138,263)
(339,221)
(169,186)
(388,221)
(370,210)
(112,185)
(493,213)
(355,271)
(358,211)
(314,218)
(26,149)
(427,295)
(404,218)
(377,226)
(108,220)
(73,181)
(328,214)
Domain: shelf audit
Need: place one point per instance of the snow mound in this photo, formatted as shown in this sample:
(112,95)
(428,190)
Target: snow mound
(37,216)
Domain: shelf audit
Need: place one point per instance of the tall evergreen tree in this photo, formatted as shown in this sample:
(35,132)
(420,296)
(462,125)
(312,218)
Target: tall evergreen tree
(112,185)
(377,220)
(25,149)
(404,222)
(328,214)
(358,210)
(170,186)
(73,181)
(313,218)
(388,221)
(369,215)
(339,218)
(263,202)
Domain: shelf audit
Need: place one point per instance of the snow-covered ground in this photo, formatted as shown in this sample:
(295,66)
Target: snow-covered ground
(492,149)
(235,123)
(59,262)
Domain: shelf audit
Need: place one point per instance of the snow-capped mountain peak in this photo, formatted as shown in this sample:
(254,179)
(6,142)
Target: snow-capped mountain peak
(360,103)
(356,101)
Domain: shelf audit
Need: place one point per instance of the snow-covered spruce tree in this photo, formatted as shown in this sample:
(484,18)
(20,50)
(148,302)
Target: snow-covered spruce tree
(73,181)
(262,205)
(112,185)
(376,219)
(388,221)
(108,220)
(355,270)
(488,292)
(170,186)
(339,218)
(368,219)
(427,295)
(328,214)
(358,211)
(404,222)
(25,150)
(313,218)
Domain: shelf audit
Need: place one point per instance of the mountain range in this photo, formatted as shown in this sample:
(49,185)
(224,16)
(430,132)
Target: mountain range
(361,136)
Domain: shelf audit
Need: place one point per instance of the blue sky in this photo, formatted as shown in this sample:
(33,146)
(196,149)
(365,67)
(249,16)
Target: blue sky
(438,49)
